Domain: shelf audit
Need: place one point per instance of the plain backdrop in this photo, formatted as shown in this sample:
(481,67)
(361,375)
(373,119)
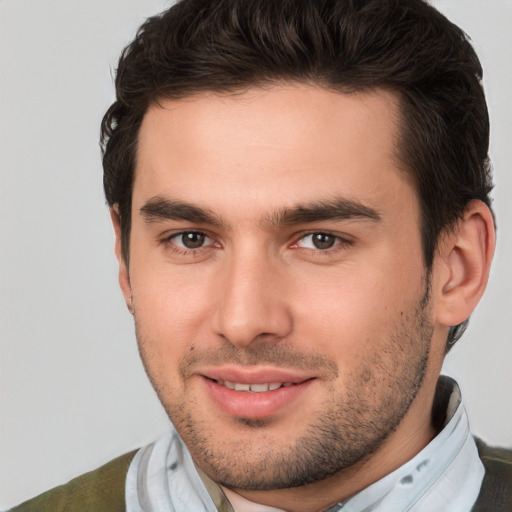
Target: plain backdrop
(72,390)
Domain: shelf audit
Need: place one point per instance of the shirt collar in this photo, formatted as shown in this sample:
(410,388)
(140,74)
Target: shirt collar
(446,475)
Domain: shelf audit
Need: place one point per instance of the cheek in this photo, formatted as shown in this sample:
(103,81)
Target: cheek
(166,329)
(170,309)
(347,312)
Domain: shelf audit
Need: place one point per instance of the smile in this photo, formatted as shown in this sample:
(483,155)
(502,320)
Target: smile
(255,388)
(255,396)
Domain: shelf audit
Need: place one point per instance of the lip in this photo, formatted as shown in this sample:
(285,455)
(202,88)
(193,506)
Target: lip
(254,405)
(256,375)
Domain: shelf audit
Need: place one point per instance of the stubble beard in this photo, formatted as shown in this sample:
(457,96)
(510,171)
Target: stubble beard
(350,427)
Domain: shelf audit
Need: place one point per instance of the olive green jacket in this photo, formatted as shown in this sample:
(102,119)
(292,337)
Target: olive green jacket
(496,491)
(102,490)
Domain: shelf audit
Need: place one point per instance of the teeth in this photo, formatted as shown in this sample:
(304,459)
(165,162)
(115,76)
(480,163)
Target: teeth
(255,388)
(258,388)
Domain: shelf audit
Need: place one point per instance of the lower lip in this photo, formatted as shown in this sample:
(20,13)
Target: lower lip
(254,405)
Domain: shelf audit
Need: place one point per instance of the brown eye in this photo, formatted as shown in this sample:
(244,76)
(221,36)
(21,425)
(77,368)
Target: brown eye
(191,239)
(320,241)
(323,240)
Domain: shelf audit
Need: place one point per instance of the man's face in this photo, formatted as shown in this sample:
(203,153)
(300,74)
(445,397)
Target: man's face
(277,280)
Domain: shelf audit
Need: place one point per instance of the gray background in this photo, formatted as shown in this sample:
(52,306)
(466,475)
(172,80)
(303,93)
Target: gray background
(73,392)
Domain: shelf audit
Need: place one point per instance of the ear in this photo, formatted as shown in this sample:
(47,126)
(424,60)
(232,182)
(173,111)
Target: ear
(124,276)
(463,263)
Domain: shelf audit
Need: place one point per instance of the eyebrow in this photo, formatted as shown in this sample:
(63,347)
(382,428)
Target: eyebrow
(335,209)
(159,208)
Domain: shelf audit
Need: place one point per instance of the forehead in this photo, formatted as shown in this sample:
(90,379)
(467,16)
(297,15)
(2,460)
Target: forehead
(305,140)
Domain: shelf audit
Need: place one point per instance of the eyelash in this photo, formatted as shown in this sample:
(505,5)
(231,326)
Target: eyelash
(340,243)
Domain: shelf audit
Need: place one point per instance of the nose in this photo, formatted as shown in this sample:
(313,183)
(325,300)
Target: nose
(251,303)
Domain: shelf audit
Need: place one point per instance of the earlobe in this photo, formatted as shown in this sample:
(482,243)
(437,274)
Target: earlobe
(463,264)
(124,276)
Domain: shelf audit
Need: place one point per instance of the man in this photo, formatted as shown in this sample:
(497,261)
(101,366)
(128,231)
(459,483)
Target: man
(299,192)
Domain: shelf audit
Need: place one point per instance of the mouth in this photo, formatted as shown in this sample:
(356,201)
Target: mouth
(253,388)
(257,394)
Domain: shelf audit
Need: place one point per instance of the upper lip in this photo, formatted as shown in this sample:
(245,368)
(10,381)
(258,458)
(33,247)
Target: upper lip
(254,375)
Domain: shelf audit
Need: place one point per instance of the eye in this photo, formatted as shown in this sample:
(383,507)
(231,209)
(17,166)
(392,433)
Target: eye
(319,241)
(190,240)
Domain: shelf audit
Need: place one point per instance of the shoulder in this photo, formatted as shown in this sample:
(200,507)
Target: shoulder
(496,490)
(101,489)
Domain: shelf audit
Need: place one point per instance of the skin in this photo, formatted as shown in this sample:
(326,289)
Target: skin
(225,279)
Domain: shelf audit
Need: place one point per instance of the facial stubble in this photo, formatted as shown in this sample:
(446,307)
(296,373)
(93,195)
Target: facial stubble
(348,427)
